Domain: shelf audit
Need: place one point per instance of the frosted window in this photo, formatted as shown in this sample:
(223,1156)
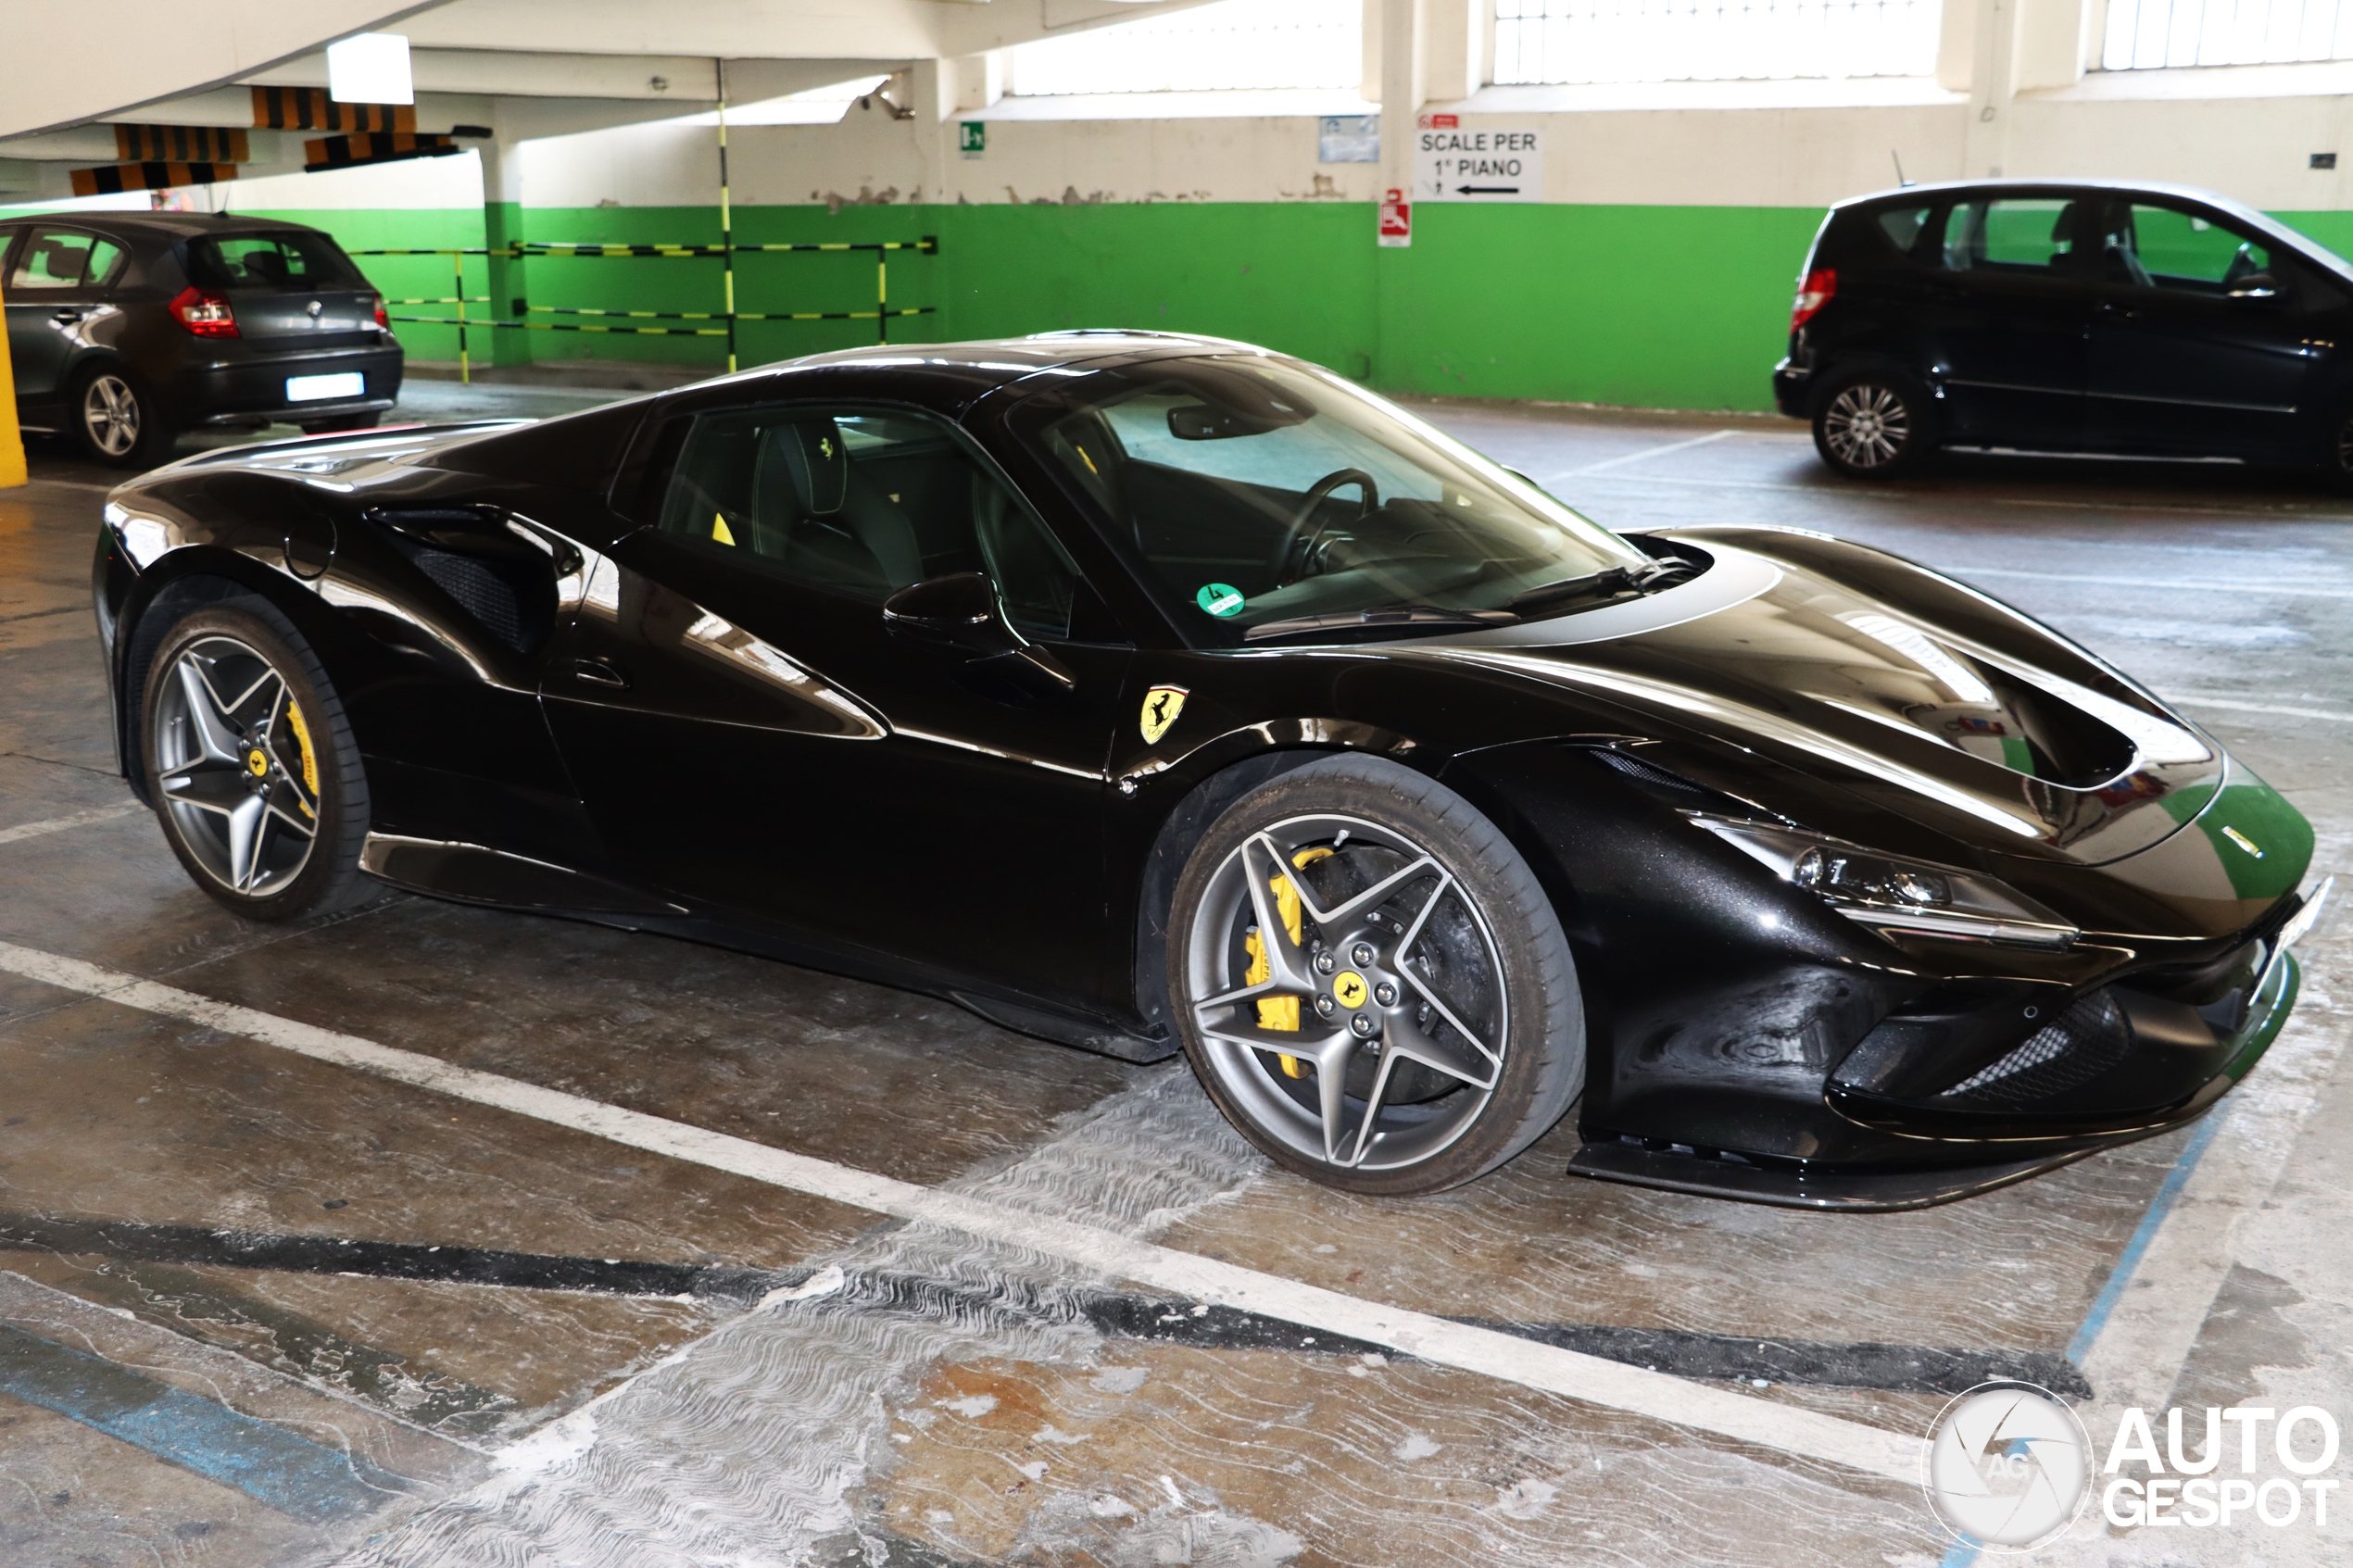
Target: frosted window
(1589,40)
(2148,34)
(1263,43)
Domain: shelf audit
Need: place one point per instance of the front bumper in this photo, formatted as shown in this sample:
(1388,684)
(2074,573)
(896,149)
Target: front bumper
(2021,1145)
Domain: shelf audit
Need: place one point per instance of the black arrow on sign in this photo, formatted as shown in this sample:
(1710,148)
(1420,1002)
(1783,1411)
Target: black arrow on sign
(1487,190)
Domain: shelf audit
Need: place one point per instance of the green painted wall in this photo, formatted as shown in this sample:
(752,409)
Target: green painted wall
(1656,307)
(1662,306)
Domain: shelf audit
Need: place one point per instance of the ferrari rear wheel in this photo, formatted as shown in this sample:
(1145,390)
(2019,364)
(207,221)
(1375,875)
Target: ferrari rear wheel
(1371,984)
(252,766)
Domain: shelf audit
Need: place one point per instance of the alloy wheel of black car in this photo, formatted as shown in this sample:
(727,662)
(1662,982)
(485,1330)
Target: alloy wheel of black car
(2339,461)
(116,422)
(1871,427)
(252,766)
(1370,982)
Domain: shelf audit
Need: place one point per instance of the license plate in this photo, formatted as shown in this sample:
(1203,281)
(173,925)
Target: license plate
(311,389)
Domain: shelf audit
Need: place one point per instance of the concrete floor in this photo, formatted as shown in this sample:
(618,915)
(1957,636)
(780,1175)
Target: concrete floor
(225,1340)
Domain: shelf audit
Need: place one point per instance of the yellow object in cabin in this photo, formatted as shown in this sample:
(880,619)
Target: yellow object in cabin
(719,530)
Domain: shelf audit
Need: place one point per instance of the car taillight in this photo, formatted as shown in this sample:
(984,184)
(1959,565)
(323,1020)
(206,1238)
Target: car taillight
(205,313)
(381,319)
(1820,285)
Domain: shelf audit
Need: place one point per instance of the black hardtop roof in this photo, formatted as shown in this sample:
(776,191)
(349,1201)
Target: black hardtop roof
(1004,360)
(166,225)
(2304,244)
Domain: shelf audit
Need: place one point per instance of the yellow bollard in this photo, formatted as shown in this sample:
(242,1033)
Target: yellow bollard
(12,470)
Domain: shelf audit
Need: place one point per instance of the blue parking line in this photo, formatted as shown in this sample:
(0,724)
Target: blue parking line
(2113,1292)
(267,1463)
(1962,1554)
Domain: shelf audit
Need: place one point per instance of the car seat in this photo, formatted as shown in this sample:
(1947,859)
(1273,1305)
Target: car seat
(836,528)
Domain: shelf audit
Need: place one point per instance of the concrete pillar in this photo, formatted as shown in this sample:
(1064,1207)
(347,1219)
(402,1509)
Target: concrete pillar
(1993,89)
(502,226)
(12,469)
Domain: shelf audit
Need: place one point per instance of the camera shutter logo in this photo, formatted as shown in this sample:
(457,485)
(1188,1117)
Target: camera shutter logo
(2008,1467)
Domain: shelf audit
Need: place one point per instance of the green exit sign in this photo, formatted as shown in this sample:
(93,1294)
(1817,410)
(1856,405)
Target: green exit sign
(972,137)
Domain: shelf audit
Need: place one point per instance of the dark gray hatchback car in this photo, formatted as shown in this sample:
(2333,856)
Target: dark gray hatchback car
(127,328)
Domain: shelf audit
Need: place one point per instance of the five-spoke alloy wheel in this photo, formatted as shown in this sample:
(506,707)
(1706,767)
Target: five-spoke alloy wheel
(1371,984)
(251,765)
(114,418)
(1871,426)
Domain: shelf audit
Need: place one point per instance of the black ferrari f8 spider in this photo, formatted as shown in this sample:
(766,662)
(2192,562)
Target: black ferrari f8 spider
(1148,692)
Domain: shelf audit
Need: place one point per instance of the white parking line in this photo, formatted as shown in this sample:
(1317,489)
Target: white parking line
(1644,456)
(1656,1395)
(2177,584)
(2235,704)
(59,825)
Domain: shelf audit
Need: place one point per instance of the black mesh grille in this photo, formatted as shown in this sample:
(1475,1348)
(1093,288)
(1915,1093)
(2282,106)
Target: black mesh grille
(483,591)
(1658,780)
(2073,1049)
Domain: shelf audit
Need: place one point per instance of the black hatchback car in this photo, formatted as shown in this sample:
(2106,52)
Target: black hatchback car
(127,328)
(2153,320)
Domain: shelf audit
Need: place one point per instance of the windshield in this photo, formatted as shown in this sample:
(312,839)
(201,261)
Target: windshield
(1270,501)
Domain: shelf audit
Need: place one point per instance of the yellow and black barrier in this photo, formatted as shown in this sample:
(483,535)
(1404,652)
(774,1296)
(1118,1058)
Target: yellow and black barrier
(116,177)
(182,143)
(882,315)
(310,108)
(373,147)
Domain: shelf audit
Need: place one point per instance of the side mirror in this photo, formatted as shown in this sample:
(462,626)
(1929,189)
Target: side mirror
(958,611)
(2256,285)
(961,613)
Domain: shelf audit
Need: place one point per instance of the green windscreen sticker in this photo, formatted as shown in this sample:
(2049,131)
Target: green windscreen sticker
(1219,599)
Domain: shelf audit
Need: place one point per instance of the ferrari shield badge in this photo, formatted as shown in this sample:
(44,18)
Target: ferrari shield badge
(1162,704)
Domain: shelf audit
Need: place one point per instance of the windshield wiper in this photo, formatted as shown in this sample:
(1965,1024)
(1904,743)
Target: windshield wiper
(1376,622)
(1609,583)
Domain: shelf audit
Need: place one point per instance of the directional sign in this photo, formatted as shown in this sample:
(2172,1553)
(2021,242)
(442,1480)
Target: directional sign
(1454,165)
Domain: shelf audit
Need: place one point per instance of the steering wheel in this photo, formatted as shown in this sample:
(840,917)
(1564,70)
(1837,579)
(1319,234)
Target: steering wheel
(1317,494)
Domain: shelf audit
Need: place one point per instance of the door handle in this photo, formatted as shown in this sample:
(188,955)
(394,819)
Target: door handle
(600,673)
(65,317)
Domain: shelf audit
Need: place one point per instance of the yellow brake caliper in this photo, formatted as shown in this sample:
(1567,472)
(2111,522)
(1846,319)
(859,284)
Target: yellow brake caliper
(1281,1012)
(309,760)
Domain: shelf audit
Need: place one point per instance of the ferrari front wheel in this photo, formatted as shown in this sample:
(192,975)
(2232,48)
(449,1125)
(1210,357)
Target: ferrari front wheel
(1371,983)
(251,764)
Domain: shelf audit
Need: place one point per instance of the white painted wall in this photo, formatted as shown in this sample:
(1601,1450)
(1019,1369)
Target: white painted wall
(2247,131)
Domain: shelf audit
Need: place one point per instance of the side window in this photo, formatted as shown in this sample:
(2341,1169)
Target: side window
(863,505)
(1902,225)
(2153,245)
(63,258)
(2012,235)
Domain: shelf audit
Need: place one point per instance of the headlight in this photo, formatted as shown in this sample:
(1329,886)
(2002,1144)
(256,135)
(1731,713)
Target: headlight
(1890,893)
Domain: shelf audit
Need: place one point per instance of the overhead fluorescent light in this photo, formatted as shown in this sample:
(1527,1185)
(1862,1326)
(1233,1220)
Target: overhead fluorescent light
(370,67)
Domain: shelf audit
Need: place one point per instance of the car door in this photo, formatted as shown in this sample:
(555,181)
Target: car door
(2203,340)
(57,278)
(749,733)
(2008,317)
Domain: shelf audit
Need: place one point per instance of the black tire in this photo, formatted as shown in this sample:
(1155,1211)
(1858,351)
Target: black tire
(2336,460)
(115,420)
(340,424)
(1483,974)
(1873,424)
(299,761)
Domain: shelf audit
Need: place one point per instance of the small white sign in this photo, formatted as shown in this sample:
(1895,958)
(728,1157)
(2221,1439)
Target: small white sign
(1454,165)
(313,389)
(370,67)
